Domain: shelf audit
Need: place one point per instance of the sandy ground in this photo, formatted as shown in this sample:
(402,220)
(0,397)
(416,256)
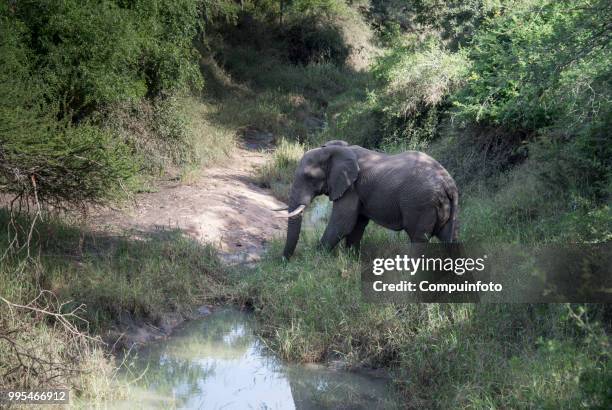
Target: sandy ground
(223,207)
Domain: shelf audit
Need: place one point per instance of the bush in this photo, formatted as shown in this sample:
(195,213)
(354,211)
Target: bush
(64,61)
(92,53)
(355,119)
(527,65)
(541,72)
(155,131)
(452,21)
(416,82)
(312,41)
(40,156)
(455,20)
(64,165)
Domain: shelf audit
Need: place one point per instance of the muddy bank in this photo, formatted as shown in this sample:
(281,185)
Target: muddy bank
(134,333)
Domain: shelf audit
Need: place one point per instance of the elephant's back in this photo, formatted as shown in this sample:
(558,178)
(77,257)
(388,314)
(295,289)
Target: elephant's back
(396,186)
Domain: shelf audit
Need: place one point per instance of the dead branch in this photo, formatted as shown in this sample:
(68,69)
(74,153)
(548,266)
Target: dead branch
(30,365)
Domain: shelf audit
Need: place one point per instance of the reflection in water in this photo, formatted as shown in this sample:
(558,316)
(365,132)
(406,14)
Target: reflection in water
(218,363)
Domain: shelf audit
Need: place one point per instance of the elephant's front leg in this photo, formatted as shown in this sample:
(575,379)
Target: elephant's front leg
(353,239)
(345,212)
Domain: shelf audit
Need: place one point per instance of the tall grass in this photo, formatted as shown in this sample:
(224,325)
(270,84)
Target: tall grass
(441,355)
(277,174)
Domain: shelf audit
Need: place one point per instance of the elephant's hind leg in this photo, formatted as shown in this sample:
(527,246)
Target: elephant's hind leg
(420,229)
(353,239)
(446,234)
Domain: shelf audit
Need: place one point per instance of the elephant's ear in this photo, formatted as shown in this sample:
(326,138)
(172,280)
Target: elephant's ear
(343,171)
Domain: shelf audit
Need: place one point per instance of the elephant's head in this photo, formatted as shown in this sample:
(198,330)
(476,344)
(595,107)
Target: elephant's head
(330,170)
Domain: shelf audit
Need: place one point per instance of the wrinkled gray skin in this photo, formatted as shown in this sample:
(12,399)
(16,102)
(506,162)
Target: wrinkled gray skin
(409,191)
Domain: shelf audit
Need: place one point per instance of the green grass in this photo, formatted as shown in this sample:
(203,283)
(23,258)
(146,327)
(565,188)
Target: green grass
(519,207)
(211,141)
(441,355)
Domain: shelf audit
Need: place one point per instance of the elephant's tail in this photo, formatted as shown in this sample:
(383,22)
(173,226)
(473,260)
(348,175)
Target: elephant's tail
(450,231)
(453,195)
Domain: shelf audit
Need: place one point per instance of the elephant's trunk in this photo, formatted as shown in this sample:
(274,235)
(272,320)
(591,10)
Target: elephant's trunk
(294,226)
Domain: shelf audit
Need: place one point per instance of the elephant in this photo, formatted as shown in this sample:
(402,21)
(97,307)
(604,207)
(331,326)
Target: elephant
(408,191)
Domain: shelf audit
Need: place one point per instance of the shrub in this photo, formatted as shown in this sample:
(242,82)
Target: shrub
(453,21)
(40,156)
(417,78)
(156,132)
(417,82)
(63,61)
(526,61)
(354,119)
(167,29)
(64,164)
(311,40)
(92,53)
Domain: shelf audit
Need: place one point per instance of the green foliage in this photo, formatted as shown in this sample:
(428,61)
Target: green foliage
(155,131)
(526,62)
(295,102)
(169,60)
(454,22)
(65,61)
(354,118)
(532,211)
(544,70)
(312,41)
(416,83)
(414,79)
(60,161)
(64,164)
(91,53)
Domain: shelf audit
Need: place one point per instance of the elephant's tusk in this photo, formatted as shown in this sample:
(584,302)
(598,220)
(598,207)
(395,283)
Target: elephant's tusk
(297,211)
(281,209)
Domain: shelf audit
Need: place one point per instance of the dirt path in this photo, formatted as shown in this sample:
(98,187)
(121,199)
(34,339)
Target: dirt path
(223,207)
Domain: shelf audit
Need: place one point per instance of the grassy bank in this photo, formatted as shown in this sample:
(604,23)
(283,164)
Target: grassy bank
(440,355)
(446,355)
(108,279)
